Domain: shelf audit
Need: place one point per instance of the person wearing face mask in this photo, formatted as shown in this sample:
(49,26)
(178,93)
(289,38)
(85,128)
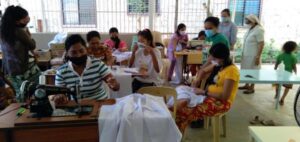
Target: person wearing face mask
(79,69)
(228,28)
(177,42)
(211,25)
(97,50)
(115,43)
(210,67)
(17,48)
(219,96)
(147,59)
(253,47)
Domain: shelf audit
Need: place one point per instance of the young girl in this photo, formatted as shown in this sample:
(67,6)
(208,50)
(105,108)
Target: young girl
(148,59)
(289,60)
(178,42)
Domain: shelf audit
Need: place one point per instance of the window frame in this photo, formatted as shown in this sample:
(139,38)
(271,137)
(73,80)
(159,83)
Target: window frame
(78,25)
(243,16)
(157,9)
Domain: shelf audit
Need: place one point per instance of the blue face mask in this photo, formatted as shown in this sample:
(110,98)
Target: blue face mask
(225,19)
(209,33)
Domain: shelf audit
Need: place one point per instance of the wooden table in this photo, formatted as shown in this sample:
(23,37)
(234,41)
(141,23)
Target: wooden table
(189,57)
(49,129)
(275,134)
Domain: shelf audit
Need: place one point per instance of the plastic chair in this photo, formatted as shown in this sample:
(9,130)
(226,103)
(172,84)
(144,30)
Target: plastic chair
(163,92)
(165,70)
(215,120)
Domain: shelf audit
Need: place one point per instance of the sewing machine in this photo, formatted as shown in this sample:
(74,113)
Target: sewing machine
(39,104)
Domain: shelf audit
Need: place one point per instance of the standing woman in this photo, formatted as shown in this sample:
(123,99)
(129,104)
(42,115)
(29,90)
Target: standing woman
(17,47)
(177,42)
(148,59)
(228,28)
(253,47)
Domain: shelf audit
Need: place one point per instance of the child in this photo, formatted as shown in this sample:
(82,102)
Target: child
(289,60)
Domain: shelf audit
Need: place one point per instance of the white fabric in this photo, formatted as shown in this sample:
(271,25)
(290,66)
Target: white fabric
(121,56)
(58,38)
(142,60)
(253,18)
(125,80)
(250,50)
(137,118)
(178,47)
(178,70)
(186,92)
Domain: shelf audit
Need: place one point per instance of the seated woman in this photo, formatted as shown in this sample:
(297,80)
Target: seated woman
(115,43)
(219,96)
(81,70)
(148,59)
(97,50)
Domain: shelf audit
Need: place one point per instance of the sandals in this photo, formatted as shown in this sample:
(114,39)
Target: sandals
(258,121)
(268,123)
(243,88)
(249,91)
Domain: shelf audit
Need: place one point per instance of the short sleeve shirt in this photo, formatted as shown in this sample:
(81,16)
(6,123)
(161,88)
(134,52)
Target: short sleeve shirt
(231,72)
(218,38)
(289,60)
(91,80)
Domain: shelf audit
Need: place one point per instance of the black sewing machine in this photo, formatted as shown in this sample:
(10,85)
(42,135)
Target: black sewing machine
(39,102)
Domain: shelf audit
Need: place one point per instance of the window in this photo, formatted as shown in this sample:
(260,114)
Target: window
(79,12)
(243,8)
(141,6)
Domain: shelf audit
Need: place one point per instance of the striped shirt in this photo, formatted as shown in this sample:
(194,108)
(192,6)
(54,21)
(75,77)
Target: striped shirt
(91,80)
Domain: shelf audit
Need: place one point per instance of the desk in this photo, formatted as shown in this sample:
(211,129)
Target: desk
(49,129)
(269,77)
(189,58)
(274,134)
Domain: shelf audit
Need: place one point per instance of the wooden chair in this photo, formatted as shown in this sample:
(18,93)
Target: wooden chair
(163,92)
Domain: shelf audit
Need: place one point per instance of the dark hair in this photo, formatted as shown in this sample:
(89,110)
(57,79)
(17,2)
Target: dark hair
(289,47)
(226,11)
(146,33)
(11,15)
(179,27)
(113,30)
(213,20)
(221,51)
(92,34)
(73,39)
(201,33)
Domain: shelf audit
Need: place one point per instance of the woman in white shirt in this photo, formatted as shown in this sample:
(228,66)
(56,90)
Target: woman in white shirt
(147,59)
(253,47)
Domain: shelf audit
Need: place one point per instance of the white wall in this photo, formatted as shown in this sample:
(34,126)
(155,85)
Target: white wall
(281,20)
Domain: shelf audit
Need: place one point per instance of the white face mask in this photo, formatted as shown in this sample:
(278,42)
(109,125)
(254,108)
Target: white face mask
(215,63)
(182,32)
(140,45)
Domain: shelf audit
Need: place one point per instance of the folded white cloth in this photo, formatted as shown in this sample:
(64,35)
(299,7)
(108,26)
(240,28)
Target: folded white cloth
(121,56)
(186,92)
(137,118)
